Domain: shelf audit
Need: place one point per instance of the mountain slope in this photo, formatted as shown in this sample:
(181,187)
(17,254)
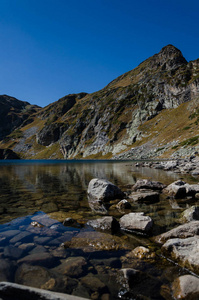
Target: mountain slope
(139,109)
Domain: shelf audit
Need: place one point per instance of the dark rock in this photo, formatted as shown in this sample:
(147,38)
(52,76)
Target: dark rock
(8,154)
(6,270)
(106,223)
(123,204)
(44,259)
(136,222)
(72,266)
(13,252)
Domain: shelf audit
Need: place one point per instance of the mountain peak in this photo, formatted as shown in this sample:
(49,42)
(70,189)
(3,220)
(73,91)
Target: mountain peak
(172,55)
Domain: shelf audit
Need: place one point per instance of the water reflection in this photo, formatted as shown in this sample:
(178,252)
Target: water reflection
(28,187)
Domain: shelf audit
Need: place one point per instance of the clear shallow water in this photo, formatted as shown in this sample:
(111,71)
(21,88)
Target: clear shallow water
(49,191)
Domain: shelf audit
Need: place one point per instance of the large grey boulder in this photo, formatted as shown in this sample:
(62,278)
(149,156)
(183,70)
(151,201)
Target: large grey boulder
(183,231)
(186,287)
(104,190)
(136,222)
(184,251)
(176,189)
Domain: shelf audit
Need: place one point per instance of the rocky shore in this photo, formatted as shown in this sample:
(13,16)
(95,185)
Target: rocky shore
(184,166)
(180,244)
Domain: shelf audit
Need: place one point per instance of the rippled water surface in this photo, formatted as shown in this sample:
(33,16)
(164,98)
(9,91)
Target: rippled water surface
(47,192)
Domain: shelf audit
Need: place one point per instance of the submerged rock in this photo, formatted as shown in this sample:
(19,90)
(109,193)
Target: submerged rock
(136,222)
(97,241)
(72,266)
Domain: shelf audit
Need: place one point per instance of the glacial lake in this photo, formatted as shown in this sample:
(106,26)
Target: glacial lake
(36,196)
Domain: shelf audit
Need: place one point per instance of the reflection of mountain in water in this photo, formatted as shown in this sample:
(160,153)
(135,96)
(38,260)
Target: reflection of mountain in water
(27,188)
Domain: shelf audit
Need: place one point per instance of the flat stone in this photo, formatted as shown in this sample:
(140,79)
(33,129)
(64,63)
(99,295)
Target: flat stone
(183,231)
(44,220)
(97,241)
(44,258)
(9,233)
(22,236)
(148,184)
(136,222)
(144,196)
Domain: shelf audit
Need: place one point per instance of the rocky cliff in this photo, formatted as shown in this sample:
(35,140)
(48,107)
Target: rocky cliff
(151,111)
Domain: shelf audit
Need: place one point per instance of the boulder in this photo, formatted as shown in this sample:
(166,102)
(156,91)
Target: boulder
(183,231)
(192,189)
(104,190)
(186,287)
(176,189)
(144,196)
(190,214)
(148,184)
(136,222)
(132,282)
(106,223)
(184,251)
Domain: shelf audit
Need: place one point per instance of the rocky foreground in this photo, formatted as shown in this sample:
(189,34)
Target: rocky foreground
(180,244)
(96,258)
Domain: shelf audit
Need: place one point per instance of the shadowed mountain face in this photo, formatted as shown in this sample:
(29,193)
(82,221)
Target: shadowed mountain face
(13,113)
(139,109)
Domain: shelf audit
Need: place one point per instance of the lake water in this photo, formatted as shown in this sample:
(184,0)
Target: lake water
(36,196)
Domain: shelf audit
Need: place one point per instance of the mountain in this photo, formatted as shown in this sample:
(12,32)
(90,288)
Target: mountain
(151,111)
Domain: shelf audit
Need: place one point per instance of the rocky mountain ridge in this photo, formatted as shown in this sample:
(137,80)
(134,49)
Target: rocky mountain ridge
(151,111)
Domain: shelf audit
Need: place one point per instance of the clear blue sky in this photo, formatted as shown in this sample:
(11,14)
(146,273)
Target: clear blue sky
(51,48)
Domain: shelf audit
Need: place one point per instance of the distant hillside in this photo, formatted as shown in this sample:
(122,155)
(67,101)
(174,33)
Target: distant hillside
(149,112)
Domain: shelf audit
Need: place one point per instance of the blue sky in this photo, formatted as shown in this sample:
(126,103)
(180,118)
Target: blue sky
(51,48)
